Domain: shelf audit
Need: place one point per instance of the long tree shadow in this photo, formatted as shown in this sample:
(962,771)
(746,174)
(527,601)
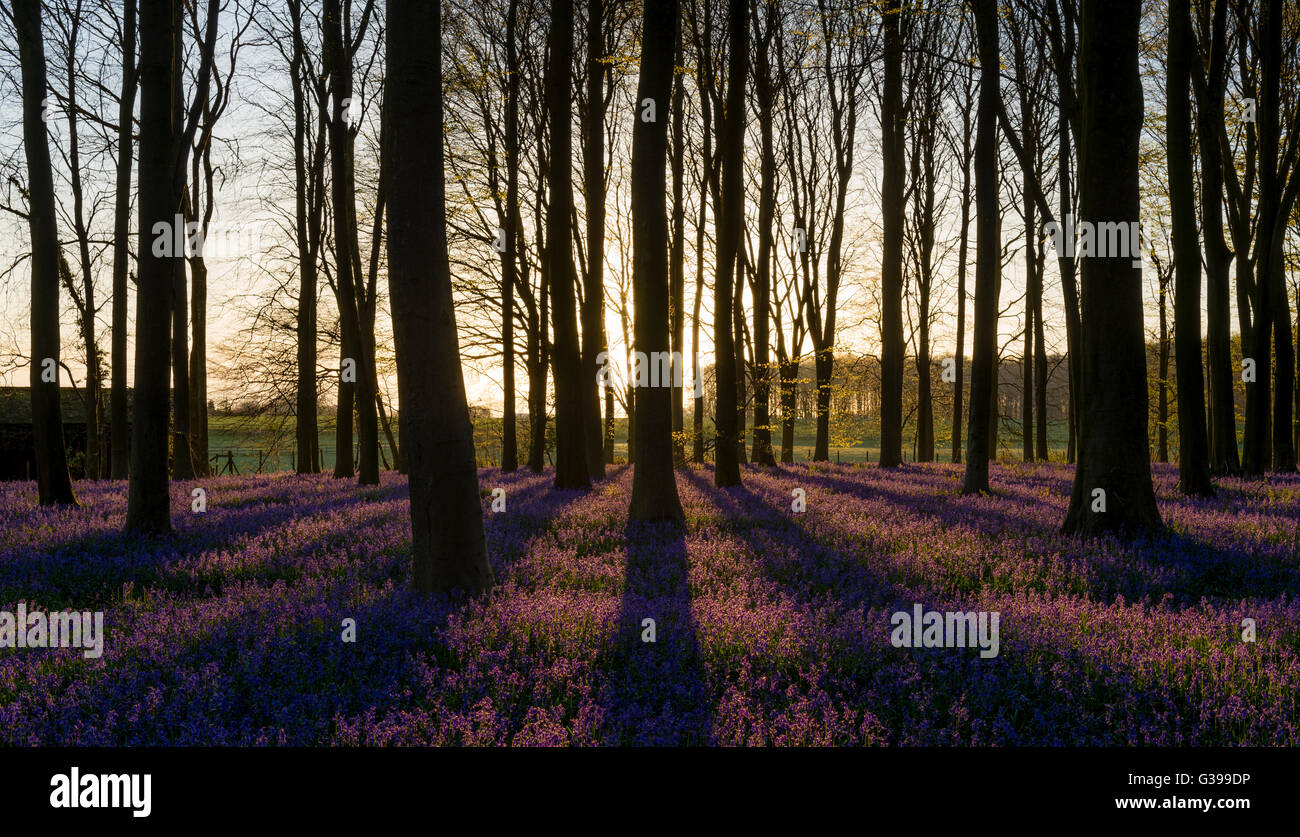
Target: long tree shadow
(656,684)
(1172,563)
(809,570)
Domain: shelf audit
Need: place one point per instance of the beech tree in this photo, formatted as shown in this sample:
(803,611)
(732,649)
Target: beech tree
(654,484)
(449,549)
(988,263)
(731,219)
(1193,444)
(893,162)
(571,471)
(148,503)
(1112,483)
(53,484)
(119,451)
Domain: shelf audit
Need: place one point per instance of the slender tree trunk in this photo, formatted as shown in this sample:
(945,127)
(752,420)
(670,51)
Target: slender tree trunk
(762,449)
(182,456)
(789,398)
(1193,443)
(148,502)
(593,300)
(1162,409)
(1112,483)
(198,438)
(891,270)
(509,432)
(346,256)
(987,253)
(86,299)
(742,368)
(448,544)
(53,484)
(119,447)
(1026,364)
(307,224)
(677,263)
(959,371)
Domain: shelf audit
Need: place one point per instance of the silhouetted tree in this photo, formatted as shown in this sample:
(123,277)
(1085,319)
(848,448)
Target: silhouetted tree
(1112,483)
(53,484)
(654,484)
(448,546)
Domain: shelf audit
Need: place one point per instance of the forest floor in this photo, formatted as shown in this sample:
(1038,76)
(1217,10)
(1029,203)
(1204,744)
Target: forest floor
(771,626)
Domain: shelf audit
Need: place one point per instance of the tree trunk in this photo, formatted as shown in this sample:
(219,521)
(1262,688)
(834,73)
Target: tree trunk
(677,263)
(307,218)
(762,447)
(593,298)
(571,471)
(148,502)
(891,269)
(731,219)
(1193,443)
(510,259)
(119,446)
(1258,453)
(346,251)
(654,482)
(53,484)
(987,253)
(1112,483)
(448,545)
(1162,400)
(182,456)
(963,254)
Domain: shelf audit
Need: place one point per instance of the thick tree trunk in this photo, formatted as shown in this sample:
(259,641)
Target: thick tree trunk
(448,545)
(1112,483)
(53,484)
(571,471)
(148,502)
(654,483)
(987,253)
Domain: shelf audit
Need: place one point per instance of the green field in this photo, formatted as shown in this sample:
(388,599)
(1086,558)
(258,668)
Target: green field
(267,443)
